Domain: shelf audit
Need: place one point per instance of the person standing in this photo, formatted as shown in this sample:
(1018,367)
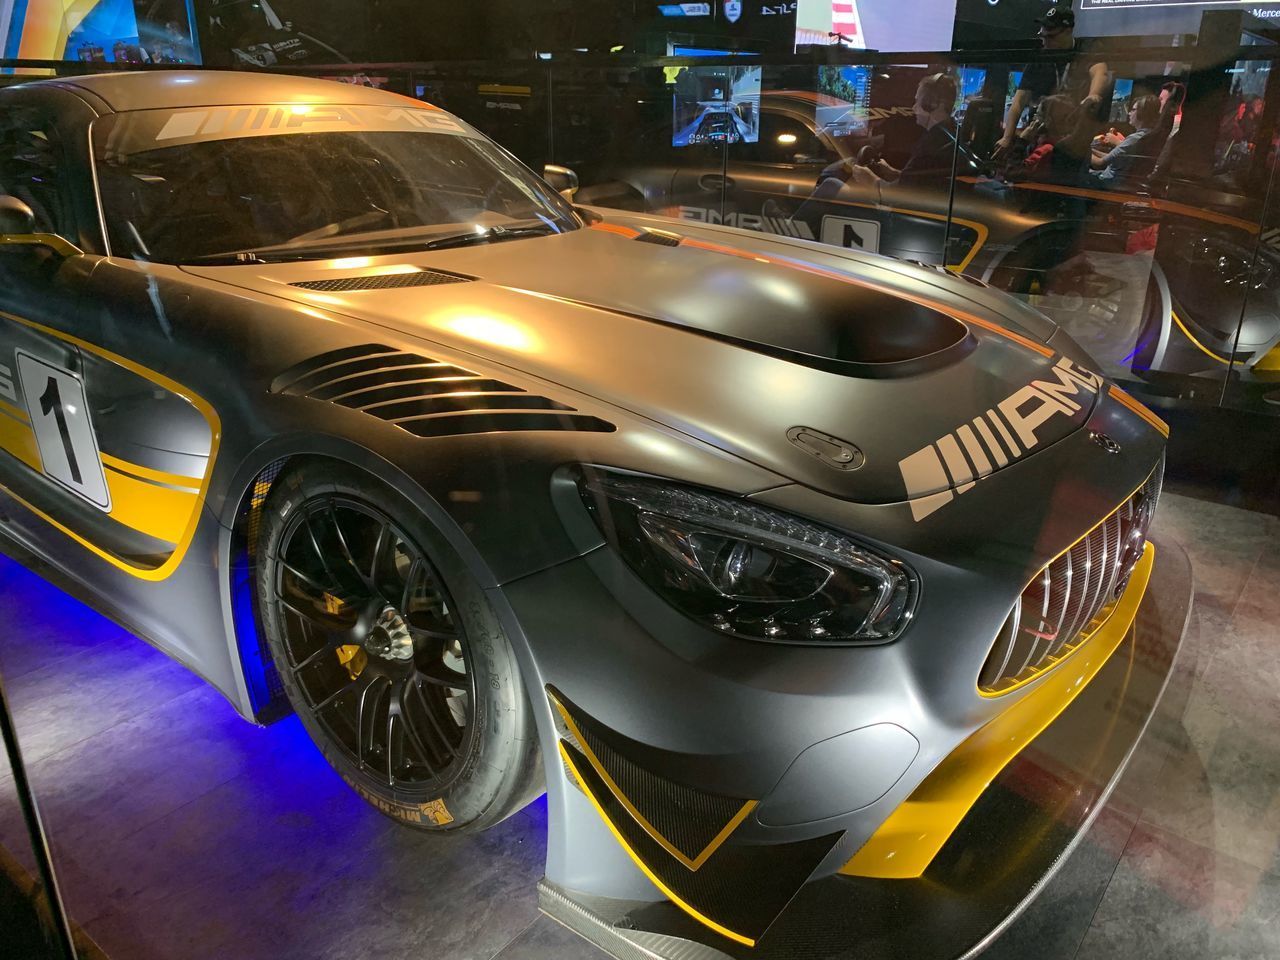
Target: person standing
(1085,82)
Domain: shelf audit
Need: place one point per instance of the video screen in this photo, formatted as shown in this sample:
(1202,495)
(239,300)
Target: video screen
(876,24)
(844,98)
(715,105)
(1131,18)
(106,31)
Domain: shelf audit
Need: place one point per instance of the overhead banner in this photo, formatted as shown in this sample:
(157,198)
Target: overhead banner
(1120,18)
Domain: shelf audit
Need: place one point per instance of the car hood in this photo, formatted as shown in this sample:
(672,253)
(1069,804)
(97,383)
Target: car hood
(869,379)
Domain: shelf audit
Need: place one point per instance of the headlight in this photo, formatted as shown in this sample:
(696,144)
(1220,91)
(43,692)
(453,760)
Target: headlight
(750,571)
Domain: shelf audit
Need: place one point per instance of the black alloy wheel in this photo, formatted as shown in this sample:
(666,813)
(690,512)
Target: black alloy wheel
(372,643)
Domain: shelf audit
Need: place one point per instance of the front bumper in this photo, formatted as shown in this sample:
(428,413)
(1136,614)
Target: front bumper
(1000,848)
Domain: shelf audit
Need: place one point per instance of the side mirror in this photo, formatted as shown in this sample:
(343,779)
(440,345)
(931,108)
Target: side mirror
(15,217)
(563,180)
(17,229)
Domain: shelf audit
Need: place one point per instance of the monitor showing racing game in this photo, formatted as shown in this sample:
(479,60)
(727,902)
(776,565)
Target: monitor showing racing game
(105,31)
(715,105)
(876,24)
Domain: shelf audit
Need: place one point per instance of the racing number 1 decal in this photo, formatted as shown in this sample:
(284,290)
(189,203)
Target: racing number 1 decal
(64,434)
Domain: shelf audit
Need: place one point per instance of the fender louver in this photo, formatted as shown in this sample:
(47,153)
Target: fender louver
(427,397)
(381,281)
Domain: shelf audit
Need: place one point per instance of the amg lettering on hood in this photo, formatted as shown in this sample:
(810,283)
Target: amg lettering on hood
(1006,432)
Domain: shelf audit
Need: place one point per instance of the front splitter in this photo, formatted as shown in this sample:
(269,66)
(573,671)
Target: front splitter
(1001,856)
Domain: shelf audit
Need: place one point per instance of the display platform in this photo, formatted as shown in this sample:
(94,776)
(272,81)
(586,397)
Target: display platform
(1007,848)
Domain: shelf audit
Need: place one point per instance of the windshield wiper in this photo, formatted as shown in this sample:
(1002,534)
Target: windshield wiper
(232,258)
(492,235)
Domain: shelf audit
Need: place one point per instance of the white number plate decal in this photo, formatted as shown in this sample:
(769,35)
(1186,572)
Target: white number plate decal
(856,234)
(64,433)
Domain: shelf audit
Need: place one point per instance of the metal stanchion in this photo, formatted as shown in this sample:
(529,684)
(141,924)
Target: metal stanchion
(39,842)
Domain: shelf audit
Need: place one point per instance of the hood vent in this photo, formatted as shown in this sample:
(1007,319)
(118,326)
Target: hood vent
(426,397)
(381,281)
(661,237)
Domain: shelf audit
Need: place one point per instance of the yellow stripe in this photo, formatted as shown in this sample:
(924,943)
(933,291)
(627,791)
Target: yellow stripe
(14,412)
(1140,409)
(210,415)
(19,440)
(911,837)
(159,512)
(146,473)
(667,891)
(639,818)
(1198,345)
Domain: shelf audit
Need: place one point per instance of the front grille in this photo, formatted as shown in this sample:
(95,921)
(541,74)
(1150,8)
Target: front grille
(427,397)
(1072,596)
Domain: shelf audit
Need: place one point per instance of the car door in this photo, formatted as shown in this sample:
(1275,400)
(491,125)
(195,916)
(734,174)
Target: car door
(99,452)
(46,431)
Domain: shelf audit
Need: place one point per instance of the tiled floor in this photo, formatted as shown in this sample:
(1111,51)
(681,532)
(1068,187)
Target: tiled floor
(183,832)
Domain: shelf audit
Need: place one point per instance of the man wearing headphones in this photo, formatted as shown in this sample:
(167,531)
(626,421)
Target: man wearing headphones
(931,160)
(934,153)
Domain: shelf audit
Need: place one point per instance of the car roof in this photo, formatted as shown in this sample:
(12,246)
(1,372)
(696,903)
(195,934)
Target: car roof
(181,89)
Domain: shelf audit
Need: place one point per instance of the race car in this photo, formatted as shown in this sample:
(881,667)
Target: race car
(762,558)
(1174,293)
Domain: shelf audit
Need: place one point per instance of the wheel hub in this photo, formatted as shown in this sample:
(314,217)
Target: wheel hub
(389,637)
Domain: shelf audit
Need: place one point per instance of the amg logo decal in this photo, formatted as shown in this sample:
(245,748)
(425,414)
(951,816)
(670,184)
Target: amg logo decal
(6,384)
(219,121)
(749,221)
(993,439)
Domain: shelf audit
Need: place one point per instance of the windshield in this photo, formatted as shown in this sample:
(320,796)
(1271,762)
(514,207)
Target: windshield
(245,184)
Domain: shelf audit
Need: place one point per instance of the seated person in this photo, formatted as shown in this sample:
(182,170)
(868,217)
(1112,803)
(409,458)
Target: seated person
(931,160)
(1117,163)
(932,157)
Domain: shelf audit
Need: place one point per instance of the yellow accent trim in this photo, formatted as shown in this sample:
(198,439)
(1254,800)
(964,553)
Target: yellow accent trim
(667,891)
(18,439)
(54,242)
(1196,343)
(1155,203)
(14,412)
(911,837)
(146,473)
(159,512)
(1140,409)
(215,438)
(694,863)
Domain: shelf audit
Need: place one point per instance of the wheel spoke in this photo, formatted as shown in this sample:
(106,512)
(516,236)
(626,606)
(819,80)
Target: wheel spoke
(315,617)
(346,549)
(315,544)
(364,718)
(305,578)
(411,731)
(441,676)
(407,594)
(379,548)
(435,723)
(345,688)
(392,716)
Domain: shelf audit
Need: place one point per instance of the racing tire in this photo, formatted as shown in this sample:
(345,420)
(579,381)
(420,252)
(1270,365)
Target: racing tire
(390,653)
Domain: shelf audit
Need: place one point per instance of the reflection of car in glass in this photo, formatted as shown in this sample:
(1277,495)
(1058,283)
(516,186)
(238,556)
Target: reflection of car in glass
(715,128)
(326,396)
(256,36)
(1175,315)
